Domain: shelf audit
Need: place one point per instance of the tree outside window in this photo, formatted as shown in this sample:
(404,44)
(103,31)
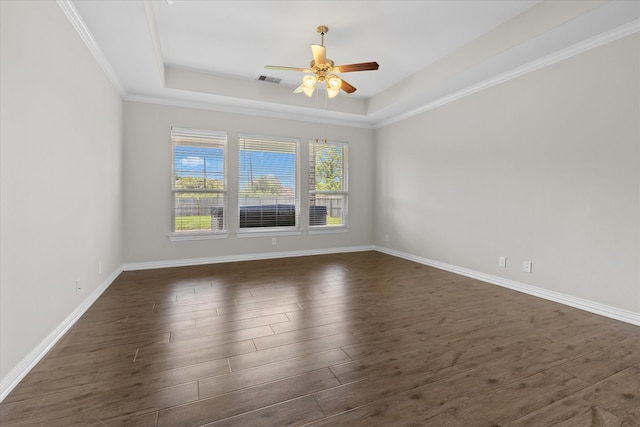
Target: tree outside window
(327,184)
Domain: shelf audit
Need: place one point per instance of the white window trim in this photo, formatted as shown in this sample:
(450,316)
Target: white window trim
(328,229)
(344,228)
(177,236)
(273,231)
(197,235)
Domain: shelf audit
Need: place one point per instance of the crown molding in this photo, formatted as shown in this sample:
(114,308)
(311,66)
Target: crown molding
(309,115)
(578,48)
(73,16)
(155,38)
(295,114)
(367,123)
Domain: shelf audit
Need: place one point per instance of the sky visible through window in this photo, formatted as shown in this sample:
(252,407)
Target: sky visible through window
(266,163)
(196,161)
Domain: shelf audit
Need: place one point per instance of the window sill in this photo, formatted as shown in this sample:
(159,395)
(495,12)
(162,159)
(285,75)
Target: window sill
(198,235)
(327,230)
(266,233)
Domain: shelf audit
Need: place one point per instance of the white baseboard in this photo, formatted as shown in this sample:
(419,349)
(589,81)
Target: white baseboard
(244,257)
(582,304)
(22,369)
(16,375)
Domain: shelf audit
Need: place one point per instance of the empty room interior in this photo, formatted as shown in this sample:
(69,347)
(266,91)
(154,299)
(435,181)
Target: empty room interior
(315,213)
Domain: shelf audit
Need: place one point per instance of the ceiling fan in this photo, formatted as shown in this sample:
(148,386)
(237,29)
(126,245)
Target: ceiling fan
(324,70)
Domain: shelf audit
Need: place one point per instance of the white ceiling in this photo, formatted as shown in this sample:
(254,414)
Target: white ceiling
(209,54)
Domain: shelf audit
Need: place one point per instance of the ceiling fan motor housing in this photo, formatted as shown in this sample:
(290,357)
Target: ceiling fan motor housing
(321,70)
(324,70)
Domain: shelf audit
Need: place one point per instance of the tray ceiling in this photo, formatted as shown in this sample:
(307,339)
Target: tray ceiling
(209,54)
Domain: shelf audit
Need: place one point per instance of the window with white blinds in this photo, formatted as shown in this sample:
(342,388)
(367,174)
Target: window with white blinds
(268,182)
(199,187)
(327,184)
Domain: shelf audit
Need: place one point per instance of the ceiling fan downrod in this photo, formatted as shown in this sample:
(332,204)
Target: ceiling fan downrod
(322,30)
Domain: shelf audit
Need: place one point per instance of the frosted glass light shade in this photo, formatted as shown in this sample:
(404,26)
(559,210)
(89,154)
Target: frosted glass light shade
(333,86)
(309,84)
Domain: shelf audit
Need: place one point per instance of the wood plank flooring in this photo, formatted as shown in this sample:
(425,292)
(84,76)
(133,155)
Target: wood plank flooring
(360,339)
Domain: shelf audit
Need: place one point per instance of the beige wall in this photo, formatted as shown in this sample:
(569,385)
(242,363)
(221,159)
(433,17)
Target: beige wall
(545,167)
(148,197)
(61,169)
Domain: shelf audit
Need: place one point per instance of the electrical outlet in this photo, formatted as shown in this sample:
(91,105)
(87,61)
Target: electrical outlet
(78,288)
(99,267)
(386,237)
(502,261)
(526,266)
(274,241)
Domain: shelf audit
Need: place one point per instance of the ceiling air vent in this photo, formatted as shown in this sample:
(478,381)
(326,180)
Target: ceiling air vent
(269,79)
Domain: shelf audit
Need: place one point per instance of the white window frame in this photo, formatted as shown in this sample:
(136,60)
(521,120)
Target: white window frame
(276,230)
(344,227)
(218,138)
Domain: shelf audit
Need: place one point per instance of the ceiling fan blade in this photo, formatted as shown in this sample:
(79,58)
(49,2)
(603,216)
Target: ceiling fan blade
(363,66)
(347,87)
(277,67)
(319,53)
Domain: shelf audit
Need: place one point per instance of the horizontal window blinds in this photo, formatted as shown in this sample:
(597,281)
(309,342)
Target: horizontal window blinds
(198,183)
(268,181)
(327,184)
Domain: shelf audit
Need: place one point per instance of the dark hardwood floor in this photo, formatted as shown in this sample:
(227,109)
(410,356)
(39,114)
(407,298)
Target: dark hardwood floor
(361,339)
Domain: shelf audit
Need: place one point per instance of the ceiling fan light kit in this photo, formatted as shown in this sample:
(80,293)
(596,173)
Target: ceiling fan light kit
(333,86)
(323,70)
(309,84)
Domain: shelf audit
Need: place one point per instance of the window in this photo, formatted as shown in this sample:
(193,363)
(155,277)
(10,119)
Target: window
(327,184)
(268,182)
(198,186)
